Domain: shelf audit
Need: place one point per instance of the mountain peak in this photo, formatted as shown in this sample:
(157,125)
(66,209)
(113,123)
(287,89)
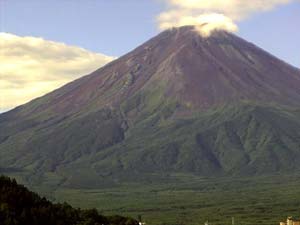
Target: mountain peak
(178,103)
(205,71)
(190,33)
(191,71)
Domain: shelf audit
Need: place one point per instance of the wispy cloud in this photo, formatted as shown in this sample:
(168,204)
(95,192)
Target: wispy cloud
(209,15)
(31,67)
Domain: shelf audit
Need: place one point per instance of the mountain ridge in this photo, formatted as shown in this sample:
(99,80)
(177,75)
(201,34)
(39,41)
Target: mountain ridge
(178,103)
(176,33)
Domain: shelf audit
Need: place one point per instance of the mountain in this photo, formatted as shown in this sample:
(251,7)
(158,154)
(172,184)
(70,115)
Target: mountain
(180,103)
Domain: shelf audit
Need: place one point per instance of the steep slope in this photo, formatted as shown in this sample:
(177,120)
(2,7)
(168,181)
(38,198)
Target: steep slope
(200,71)
(178,103)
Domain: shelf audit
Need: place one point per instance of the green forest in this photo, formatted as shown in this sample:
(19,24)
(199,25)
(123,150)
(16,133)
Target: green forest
(19,206)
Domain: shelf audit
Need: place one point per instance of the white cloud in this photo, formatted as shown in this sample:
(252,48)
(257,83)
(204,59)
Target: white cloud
(31,67)
(205,23)
(209,15)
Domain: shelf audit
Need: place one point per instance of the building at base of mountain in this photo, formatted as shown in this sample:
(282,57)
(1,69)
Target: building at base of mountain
(290,221)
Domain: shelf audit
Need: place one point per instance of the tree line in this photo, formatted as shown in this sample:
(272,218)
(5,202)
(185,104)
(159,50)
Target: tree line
(19,206)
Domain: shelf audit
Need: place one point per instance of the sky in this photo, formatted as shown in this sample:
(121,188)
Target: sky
(45,44)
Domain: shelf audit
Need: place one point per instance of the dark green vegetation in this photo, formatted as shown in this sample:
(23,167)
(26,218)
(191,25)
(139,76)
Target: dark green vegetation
(239,140)
(19,206)
(182,199)
(214,108)
(192,200)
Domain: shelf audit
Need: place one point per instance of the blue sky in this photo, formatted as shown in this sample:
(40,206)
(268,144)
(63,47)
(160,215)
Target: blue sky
(277,31)
(116,26)
(111,27)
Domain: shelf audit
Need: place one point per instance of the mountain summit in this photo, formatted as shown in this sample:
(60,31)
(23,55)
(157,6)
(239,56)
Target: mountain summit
(178,103)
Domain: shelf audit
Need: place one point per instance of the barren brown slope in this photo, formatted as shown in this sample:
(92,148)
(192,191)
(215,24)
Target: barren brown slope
(197,71)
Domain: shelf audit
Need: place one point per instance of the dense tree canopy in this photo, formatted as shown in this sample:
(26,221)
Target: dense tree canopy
(19,206)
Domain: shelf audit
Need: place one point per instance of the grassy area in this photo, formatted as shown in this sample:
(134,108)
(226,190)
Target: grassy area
(193,200)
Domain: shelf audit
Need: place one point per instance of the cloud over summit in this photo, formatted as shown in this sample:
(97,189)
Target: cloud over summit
(221,14)
(31,67)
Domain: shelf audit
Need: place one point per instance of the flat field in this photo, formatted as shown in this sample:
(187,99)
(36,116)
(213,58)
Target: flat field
(188,199)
